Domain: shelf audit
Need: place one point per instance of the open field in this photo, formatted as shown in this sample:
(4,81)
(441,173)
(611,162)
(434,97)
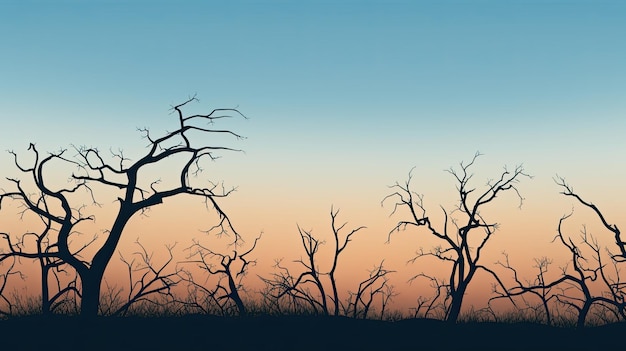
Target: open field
(294,333)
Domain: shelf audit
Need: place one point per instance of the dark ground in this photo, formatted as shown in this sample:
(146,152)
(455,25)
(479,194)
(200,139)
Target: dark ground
(295,333)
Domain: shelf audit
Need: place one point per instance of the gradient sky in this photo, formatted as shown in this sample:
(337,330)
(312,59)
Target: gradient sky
(343,99)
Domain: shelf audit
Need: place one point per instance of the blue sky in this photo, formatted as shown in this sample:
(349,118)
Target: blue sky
(344,95)
(368,65)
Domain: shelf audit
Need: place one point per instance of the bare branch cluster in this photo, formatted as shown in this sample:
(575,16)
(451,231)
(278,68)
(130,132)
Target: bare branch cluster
(463,235)
(590,283)
(306,292)
(153,281)
(226,297)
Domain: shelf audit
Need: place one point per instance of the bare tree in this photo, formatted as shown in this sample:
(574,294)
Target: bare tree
(436,306)
(587,281)
(233,268)
(307,291)
(58,284)
(6,305)
(544,293)
(299,288)
(360,302)
(462,246)
(340,245)
(131,180)
(152,281)
(620,256)
(282,295)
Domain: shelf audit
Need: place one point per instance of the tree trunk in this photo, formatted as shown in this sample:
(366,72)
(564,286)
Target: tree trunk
(90,301)
(455,309)
(582,315)
(457,302)
(234,294)
(45,292)
(92,277)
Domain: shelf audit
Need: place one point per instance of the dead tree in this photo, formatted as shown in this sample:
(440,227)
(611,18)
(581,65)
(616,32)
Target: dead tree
(137,190)
(155,284)
(360,302)
(233,268)
(284,294)
(58,284)
(307,291)
(340,245)
(435,306)
(612,298)
(620,255)
(300,288)
(544,293)
(462,246)
(587,280)
(6,305)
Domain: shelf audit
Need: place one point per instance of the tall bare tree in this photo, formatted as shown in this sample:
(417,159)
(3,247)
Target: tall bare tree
(463,244)
(138,190)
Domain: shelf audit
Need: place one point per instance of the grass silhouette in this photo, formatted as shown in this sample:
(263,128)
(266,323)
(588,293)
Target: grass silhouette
(151,326)
(265,332)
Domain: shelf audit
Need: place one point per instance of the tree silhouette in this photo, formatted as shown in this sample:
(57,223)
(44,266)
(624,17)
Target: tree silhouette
(58,285)
(58,206)
(153,280)
(462,246)
(360,302)
(544,293)
(6,305)
(308,291)
(588,280)
(232,267)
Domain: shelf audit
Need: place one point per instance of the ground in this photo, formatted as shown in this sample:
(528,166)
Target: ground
(294,333)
